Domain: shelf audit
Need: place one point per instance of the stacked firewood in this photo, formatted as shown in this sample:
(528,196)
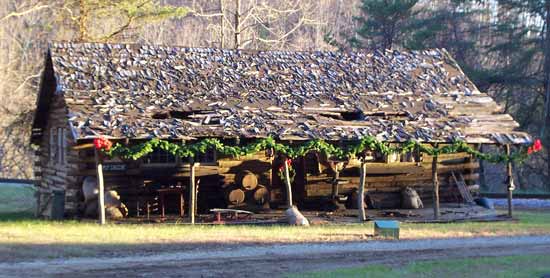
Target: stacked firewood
(247,191)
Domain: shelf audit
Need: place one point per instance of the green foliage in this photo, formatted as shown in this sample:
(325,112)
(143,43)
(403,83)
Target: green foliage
(381,23)
(352,149)
(148,10)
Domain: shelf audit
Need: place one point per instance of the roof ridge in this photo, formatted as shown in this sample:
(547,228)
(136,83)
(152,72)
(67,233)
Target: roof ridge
(61,44)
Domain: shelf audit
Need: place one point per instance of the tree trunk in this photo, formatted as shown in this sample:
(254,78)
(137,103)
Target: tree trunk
(237,31)
(82,19)
(221,24)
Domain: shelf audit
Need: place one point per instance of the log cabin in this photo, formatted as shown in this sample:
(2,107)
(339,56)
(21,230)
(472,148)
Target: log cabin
(131,93)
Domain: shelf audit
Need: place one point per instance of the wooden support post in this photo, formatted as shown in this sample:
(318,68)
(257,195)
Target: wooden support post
(510,182)
(192,196)
(288,185)
(361,195)
(435,180)
(335,182)
(101,185)
(482,181)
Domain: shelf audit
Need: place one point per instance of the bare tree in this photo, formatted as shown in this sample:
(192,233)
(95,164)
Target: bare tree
(261,24)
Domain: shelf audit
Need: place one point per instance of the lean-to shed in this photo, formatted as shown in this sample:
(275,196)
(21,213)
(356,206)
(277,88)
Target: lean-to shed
(131,93)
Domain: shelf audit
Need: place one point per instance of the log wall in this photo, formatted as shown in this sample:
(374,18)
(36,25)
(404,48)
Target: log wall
(137,182)
(385,181)
(54,172)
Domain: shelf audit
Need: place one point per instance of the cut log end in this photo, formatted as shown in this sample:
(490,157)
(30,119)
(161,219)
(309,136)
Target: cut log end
(247,180)
(235,196)
(261,195)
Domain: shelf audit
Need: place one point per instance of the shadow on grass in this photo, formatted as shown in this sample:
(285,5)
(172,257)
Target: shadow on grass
(17,216)
(11,253)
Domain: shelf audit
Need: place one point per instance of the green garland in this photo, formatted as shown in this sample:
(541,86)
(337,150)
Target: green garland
(352,149)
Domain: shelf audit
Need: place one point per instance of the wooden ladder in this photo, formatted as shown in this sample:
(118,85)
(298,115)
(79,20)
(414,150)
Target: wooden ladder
(461,185)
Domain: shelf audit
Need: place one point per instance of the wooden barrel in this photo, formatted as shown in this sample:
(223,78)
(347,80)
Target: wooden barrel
(247,180)
(234,196)
(261,195)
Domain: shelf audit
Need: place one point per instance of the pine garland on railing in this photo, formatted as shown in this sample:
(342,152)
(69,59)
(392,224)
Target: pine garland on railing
(352,149)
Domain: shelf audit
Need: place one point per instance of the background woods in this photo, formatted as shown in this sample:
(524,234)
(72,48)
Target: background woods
(503,45)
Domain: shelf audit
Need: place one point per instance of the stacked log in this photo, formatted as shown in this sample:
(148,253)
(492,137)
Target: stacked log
(247,180)
(260,196)
(247,190)
(234,196)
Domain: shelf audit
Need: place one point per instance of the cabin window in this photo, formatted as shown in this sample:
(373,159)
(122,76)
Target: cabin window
(53,145)
(160,157)
(208,157)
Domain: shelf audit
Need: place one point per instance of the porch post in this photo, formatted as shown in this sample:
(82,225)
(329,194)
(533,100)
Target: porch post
(192,188)
(288,185)
(361,195)
(101,197)
(435,181)
(510,182)
(335,182)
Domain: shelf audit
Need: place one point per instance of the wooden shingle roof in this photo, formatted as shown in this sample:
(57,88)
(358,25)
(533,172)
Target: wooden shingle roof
(143,91)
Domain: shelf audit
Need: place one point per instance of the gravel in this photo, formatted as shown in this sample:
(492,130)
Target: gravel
(60,266)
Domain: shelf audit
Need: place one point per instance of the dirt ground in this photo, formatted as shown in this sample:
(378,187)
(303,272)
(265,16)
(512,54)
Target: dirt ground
(276,260)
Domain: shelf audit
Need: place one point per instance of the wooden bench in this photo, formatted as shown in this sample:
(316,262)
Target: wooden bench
(232,213)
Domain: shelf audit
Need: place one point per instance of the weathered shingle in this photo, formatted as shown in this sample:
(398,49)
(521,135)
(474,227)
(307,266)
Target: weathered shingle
(142,91)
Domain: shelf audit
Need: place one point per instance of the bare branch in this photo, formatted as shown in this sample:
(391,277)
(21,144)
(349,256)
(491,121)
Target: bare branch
(25,12)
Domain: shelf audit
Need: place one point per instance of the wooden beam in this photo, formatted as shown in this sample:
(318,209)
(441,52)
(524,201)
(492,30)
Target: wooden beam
(435,181)
(361,195)
(83,146)
(288,185)
(510,182)
(192,194)
(101,185)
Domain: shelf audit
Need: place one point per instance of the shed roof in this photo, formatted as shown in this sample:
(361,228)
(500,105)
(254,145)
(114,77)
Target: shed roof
(145,91)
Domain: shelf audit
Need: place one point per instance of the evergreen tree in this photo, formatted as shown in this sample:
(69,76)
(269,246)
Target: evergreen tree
(450,24)
(382,23)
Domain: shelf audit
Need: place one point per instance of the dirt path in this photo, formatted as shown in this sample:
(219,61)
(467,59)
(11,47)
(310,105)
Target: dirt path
(273,260)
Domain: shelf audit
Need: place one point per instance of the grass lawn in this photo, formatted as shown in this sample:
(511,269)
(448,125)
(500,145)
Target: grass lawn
(16,199)
(512,266)
(43,238)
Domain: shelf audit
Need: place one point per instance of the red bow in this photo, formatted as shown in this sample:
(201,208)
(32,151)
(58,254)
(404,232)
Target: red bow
(102,143)
(537,146)
(288,162)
